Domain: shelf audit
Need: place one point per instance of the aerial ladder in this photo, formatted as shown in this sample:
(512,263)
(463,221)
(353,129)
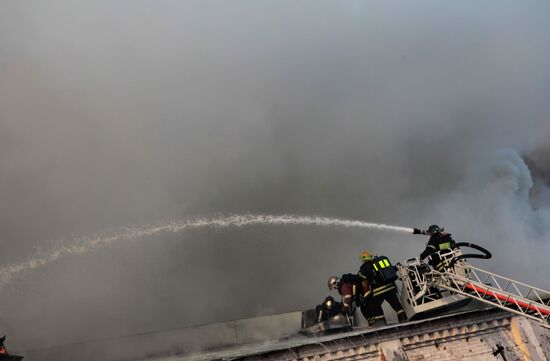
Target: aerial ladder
(426,291)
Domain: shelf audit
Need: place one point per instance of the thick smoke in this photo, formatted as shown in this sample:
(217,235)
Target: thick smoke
(122,113)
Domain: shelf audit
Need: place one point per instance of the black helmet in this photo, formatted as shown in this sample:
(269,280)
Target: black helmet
(329,302)
(434,228)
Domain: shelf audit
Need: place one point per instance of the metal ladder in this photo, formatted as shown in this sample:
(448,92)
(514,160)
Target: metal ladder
(495,290)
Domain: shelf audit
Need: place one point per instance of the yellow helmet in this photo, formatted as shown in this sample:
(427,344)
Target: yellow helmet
(365,256)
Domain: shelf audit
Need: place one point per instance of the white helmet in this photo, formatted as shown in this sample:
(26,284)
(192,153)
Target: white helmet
(333,282)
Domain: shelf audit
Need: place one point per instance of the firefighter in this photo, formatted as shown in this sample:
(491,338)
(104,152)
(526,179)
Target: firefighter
(350,288)
(440,241)
(328,309)
(3,350)
(381,276)
(5,355)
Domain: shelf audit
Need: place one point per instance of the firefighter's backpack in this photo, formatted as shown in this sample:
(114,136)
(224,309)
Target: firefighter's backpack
(384,271)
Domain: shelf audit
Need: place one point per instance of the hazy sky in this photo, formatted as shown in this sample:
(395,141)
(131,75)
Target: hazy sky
(115,113)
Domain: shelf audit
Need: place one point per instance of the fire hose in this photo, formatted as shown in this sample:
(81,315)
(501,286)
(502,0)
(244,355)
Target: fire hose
(486,254)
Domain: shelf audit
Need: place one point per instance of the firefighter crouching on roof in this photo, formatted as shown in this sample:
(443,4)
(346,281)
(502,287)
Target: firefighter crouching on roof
(328,309)
(440,241)
(349,287)
(381,276)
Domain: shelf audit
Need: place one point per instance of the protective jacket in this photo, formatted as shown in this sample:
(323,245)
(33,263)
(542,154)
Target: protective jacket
(439,242)
(368,272)
(351,288)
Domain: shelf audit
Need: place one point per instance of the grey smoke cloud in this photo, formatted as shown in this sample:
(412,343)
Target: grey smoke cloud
(132,112)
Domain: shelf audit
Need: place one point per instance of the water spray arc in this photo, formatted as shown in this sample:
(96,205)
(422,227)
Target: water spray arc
(108,237)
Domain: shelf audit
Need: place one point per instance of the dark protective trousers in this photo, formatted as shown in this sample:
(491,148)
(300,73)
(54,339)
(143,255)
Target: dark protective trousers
(372,307)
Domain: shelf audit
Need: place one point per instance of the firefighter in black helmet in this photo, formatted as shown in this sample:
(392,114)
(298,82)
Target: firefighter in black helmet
(328,309)
(381,277)
(440,241)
